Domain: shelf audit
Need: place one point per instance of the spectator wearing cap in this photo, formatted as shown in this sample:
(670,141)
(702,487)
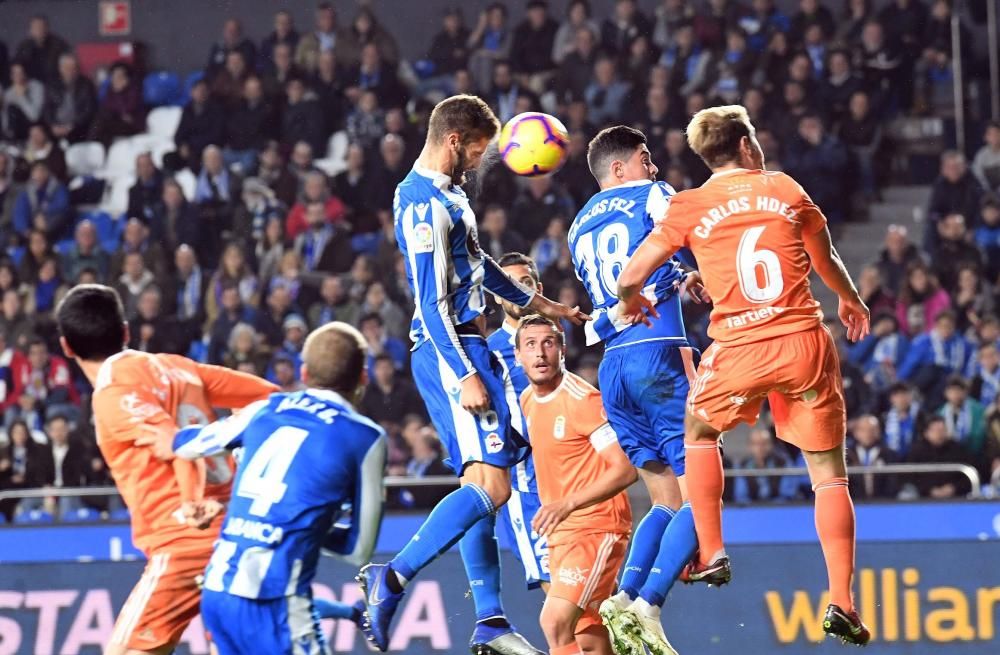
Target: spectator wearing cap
(232,310)
(203,123)
(934,356)
(904,421)
(258,206)
(284,33)
(295,330)
(986,164)
(249,126)
(86,253)
(232,40)
(147,193)
(388,396)
(41,50)
(333,305)
(121,113)
(938,446)
(43,204)
(964,416)
(867,449)
(987,235)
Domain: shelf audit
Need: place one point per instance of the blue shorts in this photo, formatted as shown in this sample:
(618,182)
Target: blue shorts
(645,388)
(246,626)
(468,437)
(514,532)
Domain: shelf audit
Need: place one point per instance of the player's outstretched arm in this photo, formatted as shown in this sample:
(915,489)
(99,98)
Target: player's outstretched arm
(617,477)
(830,268)
(497,282)
(231,389)
(357,543)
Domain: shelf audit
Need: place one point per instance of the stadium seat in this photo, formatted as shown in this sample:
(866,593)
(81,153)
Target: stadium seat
(198,351)
(116,197)
(161,88)
(336,155)
(3,519)
(85,158)
(81,515)
(120,161)
(365,244)
(163,122)
(16,254)
(104,224)
(120,515)
(188,182)
(64,247)
(34,516)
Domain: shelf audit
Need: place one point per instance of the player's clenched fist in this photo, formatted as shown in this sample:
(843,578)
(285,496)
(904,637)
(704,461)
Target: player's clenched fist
(200,513)
(473,397)
(551,515)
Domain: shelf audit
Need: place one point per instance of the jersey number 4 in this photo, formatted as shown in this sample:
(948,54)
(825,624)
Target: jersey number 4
(604,263)
(263,479)
(759,271)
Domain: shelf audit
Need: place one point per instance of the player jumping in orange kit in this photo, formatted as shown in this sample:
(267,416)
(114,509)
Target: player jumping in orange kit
(582,474)
(754,233)
(176,505)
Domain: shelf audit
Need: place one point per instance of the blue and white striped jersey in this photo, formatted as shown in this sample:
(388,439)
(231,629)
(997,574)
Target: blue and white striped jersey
(446,268)
(501,344)
(603,236)
(307,457)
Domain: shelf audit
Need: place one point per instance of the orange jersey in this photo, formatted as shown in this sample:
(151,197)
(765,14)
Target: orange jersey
(568,430)
(746,227)
(138,392)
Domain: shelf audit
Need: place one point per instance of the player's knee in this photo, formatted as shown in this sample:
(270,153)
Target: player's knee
(493,480)
(825,465)
(556,624)
(499,492)
(697,430)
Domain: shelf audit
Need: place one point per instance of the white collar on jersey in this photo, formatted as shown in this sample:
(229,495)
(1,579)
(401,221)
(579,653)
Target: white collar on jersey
(555,392)
(731,171)
(437,178)
(625,185)
(330,396)
(104,371)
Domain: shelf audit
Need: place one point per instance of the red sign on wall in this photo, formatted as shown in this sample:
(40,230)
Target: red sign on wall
(114,17)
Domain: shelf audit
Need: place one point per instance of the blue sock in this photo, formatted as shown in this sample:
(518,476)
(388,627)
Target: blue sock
(451,518)
(329,609)
(645,545)
(482,564)
(676,550)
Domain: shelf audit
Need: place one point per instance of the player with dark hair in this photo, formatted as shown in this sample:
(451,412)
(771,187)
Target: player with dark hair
(515,517)
(308,457)
(460,381)
(645,375)
(582,476)
(138,398)
(757,235)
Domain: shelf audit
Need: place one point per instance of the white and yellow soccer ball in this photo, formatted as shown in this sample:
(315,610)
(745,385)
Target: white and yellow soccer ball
(533,144)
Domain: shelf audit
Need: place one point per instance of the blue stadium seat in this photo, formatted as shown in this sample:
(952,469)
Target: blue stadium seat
(424,68)
(189,82)
(102,90)
(106,227)
(161,88)
(3,519)
(64,247)
(198,351)
(120,515)
(16,254)
(34,516)
(366,244)
(81,515)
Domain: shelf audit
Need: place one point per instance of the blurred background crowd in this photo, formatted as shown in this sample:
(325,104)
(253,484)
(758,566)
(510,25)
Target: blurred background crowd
(238,207)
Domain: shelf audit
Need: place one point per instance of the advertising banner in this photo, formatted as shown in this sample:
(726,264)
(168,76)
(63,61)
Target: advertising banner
(919,598)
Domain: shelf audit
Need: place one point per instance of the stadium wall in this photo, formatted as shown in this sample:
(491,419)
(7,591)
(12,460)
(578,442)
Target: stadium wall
(928,583)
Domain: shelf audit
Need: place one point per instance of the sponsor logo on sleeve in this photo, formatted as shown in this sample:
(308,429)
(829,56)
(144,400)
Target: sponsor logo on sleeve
(423,238)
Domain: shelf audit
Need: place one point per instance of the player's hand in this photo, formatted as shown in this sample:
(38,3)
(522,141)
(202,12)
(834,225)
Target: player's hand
(548,517)
(557,311)
(637,309)
(474,397)
(159,441)
(856,318)
(200,514)
(696,291)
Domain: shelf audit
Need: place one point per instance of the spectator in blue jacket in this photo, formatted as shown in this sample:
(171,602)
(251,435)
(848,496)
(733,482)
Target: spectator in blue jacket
(43,204)
(904,422)
(934,356)
(763,455)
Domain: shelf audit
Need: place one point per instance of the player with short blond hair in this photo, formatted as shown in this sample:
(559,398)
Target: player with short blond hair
(756,235)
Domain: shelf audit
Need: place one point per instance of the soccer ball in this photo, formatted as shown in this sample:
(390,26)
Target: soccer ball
(533,144)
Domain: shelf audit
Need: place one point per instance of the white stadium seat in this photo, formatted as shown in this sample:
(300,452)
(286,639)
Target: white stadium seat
(121,160)
(163,121)
(188,182)
(85,158)
(116,196)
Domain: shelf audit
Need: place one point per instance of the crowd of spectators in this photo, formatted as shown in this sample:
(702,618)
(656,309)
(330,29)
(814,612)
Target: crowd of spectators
(236,270)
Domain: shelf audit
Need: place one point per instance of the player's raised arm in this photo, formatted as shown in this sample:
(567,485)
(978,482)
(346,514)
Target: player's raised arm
(633,307)
(356,544)
(830,268)
(231,389)
(501,284)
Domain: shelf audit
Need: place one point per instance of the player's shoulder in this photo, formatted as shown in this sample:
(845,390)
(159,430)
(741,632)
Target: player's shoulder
(126,367)
(577,389)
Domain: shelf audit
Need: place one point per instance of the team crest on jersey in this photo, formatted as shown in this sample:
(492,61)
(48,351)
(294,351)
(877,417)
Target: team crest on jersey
(559,429)
(423,238)
(472,241)
(738,400)
(494,444)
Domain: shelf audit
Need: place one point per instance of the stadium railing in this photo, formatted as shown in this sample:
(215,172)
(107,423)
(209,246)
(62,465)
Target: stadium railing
(397,481)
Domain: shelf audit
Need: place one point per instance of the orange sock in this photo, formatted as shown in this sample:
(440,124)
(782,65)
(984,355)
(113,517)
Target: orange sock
(835,527)
(569,649)
(705,483)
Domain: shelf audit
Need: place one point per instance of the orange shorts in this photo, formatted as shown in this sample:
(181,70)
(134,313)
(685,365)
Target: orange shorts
(584,571)
(164,602)
(798,373)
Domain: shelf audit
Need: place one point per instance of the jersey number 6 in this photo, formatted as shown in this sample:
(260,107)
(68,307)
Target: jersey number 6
(759,271)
